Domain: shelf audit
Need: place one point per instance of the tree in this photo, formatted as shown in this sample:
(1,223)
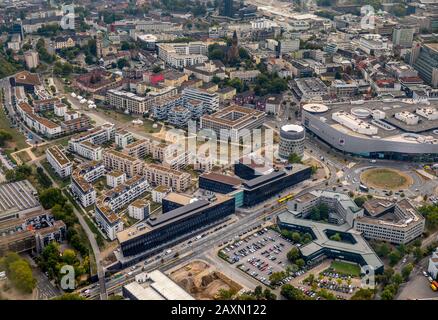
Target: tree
(4,137)
(50,197)
(121,63)
(296,237)
(394,257)
(336,237)
(360,201)
(383,250)
(70,296)
(293,254)
(19,272)
(276,277)
(294,158)
(224,294)
(363,294)
(300,263)
(269,295)
(406,271)
(292,293)
(156,69)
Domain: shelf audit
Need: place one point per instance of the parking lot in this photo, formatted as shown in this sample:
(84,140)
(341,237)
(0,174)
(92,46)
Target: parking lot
(260,254)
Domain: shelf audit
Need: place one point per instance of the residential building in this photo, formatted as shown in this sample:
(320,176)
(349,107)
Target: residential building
(59,162)
(139,209)
(81,182)
(116,160)
(160,175)
(32,59)
(209,100)
(159,193)
(115,178)
(179,116)
(180,55)
(122,138)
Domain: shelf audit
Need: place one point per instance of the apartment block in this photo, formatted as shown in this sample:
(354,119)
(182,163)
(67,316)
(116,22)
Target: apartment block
(81,182)
(116,160)
(59,162)
(160,175)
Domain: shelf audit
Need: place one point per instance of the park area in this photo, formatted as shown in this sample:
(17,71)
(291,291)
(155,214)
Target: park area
(385,178)
(345,268)
(19,141)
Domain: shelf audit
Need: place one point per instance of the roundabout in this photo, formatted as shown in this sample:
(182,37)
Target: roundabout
(386,179)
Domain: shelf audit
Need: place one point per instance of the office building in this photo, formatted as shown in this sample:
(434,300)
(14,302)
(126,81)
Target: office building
(292,138)
(17,199)
(433,265)
(159,232)
(253,181)
(424,59)
(234,122)
(353,248)
(403,36)
(59,162)
(398,223)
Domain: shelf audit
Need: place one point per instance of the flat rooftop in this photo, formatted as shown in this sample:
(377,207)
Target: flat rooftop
(17,196)
(170,217)
(388,128)
(322,241)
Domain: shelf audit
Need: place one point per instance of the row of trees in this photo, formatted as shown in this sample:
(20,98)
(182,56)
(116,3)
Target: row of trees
(257,294)
(4,137)
(296,236)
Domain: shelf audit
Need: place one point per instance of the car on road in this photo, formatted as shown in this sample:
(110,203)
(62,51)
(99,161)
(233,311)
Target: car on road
(425,274)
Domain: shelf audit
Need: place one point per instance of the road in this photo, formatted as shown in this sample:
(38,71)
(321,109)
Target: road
(91,239)
(249,219)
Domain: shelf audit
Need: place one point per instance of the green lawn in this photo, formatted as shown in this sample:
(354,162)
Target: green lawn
(62,182)
(19,140)
(345,268)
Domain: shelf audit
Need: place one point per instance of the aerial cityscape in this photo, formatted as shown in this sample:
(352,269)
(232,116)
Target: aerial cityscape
(219,150)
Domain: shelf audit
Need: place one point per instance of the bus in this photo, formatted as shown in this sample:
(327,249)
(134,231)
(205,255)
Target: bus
(286,198)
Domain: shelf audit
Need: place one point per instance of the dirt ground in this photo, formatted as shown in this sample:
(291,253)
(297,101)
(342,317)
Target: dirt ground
(386,178)
(8,292)
(202,280)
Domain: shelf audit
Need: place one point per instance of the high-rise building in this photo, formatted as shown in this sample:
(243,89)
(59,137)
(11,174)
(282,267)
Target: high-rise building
(425,61)
(403,36)
(32,59)
(228,8)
